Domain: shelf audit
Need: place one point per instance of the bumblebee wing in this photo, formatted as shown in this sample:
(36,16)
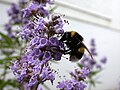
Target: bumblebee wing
(79,37)
(87,50)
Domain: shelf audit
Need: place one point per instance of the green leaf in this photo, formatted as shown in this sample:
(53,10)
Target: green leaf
(9,82)
(5,46)
(93,73)
(7,39)
(1,61)
(12,83)
(79,65)
(17,41)
(52,9)
(10,58)
(92,82)
(7,60)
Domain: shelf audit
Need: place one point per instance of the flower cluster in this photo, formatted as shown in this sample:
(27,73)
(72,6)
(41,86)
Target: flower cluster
(94,66)
(14,12)
(87,70)
(15,18)
(77,81)
(87,62)
(71,85)
(80,74)
(30,71)
(41,31)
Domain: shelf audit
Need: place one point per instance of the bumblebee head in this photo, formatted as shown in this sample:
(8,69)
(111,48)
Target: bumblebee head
(71,35)
(66,36)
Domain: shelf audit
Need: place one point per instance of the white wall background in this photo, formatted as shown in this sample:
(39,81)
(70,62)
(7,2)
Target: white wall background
(106,32)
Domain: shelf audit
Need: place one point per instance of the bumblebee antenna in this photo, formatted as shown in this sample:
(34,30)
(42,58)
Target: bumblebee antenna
(88,51)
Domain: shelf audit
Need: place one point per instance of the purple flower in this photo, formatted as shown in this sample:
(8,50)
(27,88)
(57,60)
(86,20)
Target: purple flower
(93,51)
(25,86)
(11,35)
(14,13)
(93,42)
(93,47)
(59,31)
(34,9)
(47,74)
(103,60)
(13,10)
(94,66)
(41,32)
(85,72)
(58,55)
(98,66)
(42,35)
(43,42)
(23,2)
(15,20)
(27,32)
(26,13)
(42,2)
(34,41)
(33,80)
(71,85)
(58,24)
(30,10)
(8,27)
(54,41)
(40,25)
(77,82)
(28,70)
(87,62)
(37,53)
(46,56)
(80,74)
(25,21)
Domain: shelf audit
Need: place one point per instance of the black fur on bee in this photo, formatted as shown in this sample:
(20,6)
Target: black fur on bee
(75,46)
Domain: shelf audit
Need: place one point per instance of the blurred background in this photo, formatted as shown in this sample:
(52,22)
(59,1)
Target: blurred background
(98,19)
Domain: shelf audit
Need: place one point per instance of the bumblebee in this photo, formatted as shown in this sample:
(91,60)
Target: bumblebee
(75,46)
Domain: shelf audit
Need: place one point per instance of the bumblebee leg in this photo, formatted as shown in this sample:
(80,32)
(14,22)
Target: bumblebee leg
(67,51)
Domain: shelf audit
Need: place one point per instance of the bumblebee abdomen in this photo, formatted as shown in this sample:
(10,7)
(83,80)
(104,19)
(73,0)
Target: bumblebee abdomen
(77,53)
(80,52)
